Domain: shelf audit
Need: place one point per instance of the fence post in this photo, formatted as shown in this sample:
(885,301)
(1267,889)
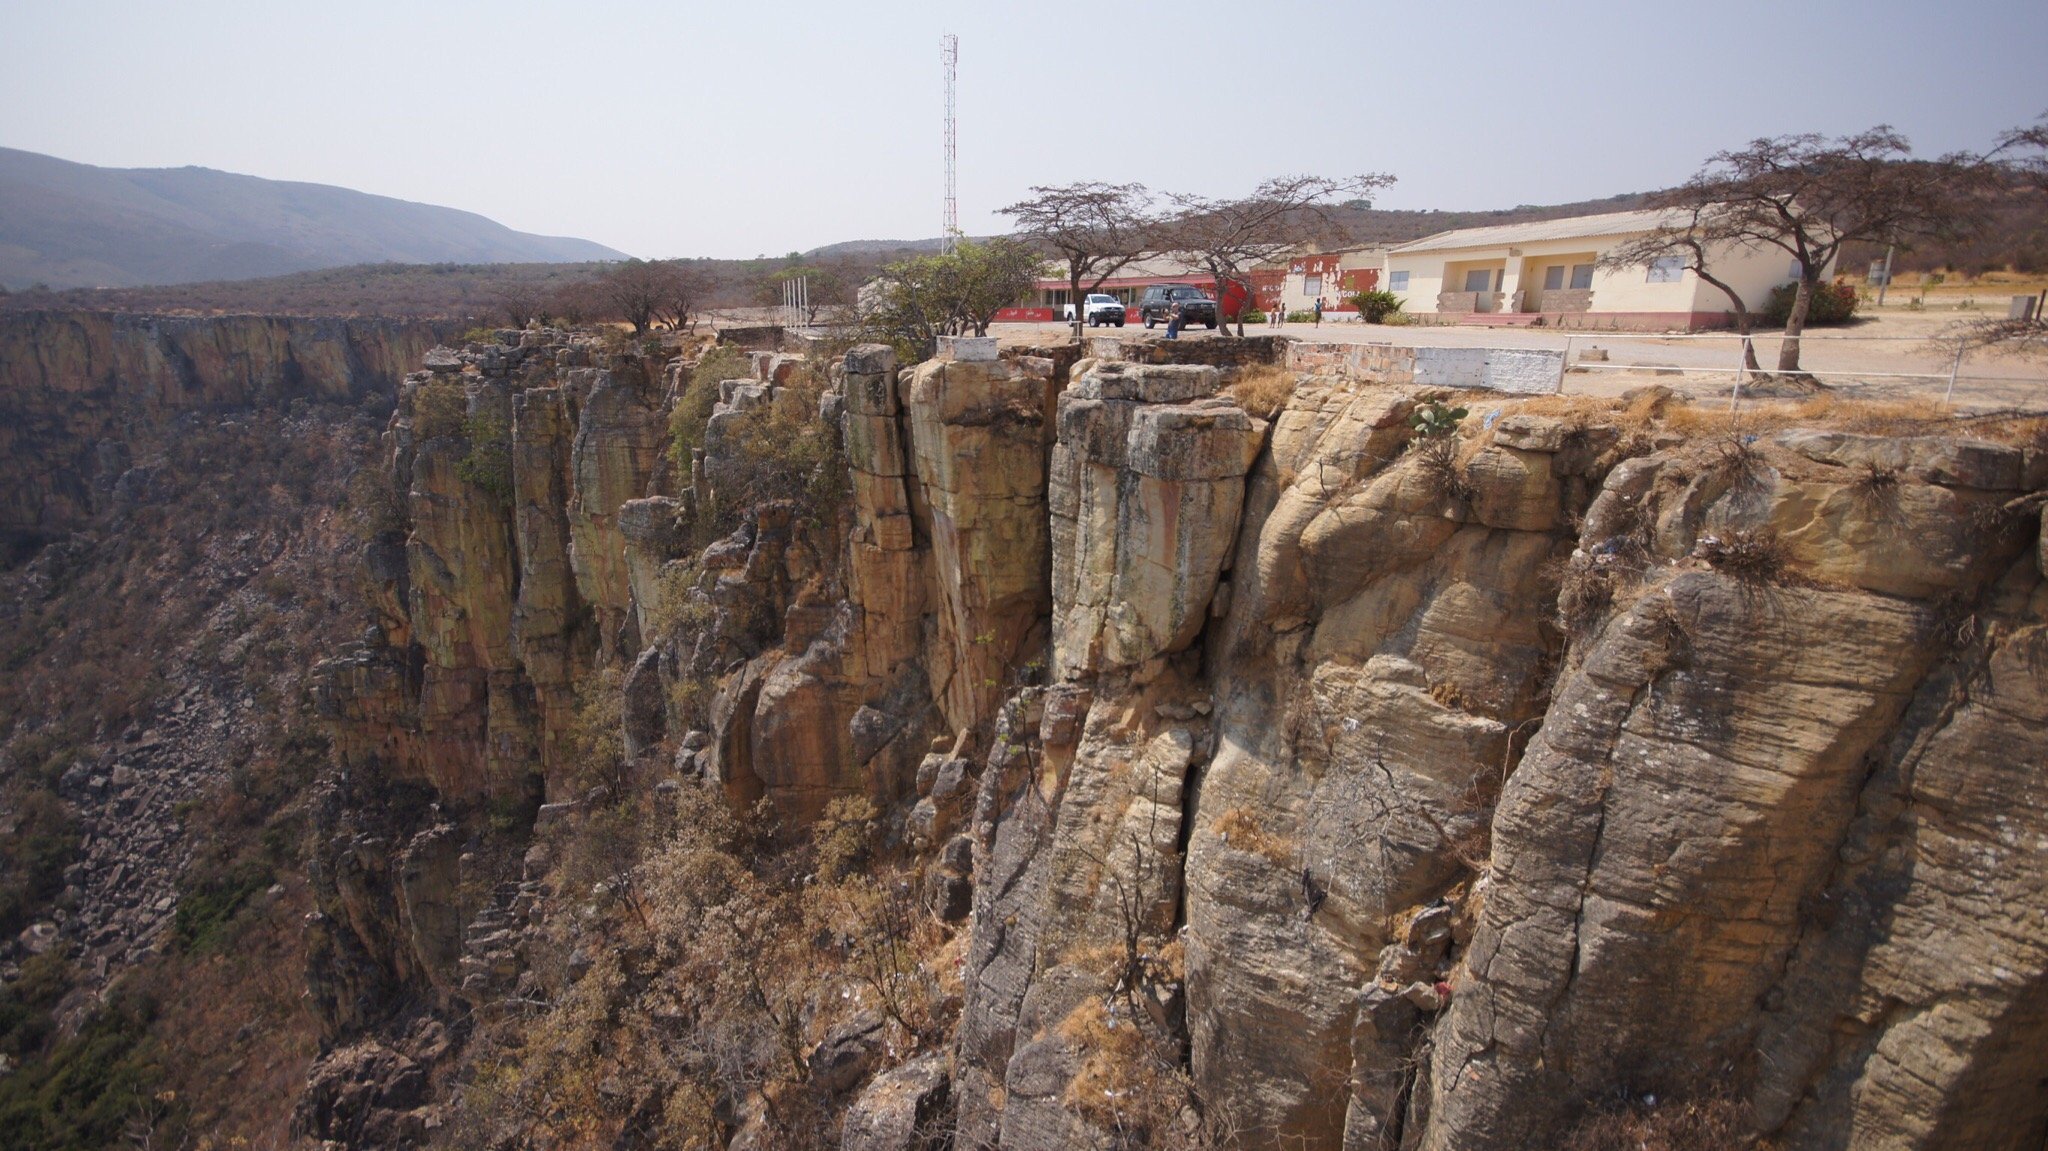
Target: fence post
(1954,369)
(1564,365)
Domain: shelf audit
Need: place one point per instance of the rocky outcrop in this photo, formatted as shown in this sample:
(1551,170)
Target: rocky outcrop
(1580,760)
(81,391)
(1308,777)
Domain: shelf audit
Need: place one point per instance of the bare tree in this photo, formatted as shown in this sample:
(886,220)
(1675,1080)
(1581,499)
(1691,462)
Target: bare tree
(640,291)
(575,302)
(521,301)
(1096,229)
(1689,240)
(1227,238)
(683,286)
(1808,195)
(2024,153)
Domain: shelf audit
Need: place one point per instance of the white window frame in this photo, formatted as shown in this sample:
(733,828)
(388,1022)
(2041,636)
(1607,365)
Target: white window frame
(1397,281)
(1312,285)
(1573,280)
(1665,270)
(1555,272)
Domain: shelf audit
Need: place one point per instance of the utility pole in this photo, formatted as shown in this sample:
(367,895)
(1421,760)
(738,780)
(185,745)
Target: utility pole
(949,227)
(1887,281)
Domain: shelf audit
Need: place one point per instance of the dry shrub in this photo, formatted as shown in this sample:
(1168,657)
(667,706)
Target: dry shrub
(1263,389)
(440,408)
(1756,557)
(1443,473)
(1242,830)
(699,395)
(1875,493)
(1584,596)
(1740,467)
(1715,1122)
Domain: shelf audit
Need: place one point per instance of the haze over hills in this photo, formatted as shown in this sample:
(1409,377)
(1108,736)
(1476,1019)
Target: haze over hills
(76,225)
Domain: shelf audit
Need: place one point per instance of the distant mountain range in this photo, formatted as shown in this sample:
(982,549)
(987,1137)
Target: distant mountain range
(75,225)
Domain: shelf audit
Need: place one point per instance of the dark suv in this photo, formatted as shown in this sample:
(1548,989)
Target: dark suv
(1195,305)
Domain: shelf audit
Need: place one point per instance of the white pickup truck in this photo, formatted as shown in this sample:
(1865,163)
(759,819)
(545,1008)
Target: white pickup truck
(1102,309)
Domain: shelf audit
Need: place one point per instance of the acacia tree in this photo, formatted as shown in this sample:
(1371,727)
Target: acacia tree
(521,301)
(1808,195)
(919,299)
(1688,239)
(1095,229)
(1227,238)
(636,291)
(2022,155)
(681,286)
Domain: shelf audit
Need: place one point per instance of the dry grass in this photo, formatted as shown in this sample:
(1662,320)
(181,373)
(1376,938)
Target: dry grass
(1263,389)
(1128,1083)
(1242,830)
(1654,408)
(1711,1123)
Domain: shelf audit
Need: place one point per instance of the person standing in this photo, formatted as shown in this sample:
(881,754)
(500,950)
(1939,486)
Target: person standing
(1319,311)
(1173,323)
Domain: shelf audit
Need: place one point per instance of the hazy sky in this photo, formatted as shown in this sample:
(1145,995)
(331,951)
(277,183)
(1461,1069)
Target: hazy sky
(730,129)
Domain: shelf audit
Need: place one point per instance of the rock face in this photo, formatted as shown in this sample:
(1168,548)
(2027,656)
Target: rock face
(1295,776)
(1454,855)
(74,386)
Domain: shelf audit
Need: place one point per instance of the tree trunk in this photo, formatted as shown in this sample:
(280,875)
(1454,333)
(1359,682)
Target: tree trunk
(1743,320)
(1074,297)
(1788,350)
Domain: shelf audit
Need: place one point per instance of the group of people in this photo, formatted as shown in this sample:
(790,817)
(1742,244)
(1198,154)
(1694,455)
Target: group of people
(1275,316)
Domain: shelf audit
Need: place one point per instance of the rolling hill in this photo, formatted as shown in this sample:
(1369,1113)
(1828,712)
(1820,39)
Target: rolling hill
(75,225)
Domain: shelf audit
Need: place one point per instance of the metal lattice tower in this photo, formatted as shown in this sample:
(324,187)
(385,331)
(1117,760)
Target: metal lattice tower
(949,228)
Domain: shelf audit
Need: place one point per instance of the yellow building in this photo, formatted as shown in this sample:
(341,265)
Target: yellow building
(1547,272)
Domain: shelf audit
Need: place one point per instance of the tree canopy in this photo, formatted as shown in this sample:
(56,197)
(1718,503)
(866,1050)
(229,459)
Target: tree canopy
(1808,195)
(1227,238)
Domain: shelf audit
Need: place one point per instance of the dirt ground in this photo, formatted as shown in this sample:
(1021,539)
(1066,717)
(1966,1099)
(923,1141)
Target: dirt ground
(1894,353)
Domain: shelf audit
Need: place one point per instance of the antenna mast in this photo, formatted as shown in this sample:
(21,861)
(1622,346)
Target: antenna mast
(949,54)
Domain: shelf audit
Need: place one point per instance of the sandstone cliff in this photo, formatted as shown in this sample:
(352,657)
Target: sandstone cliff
(1302,779)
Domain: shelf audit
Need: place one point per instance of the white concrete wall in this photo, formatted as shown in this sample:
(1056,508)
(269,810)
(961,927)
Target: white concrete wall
(1528,371)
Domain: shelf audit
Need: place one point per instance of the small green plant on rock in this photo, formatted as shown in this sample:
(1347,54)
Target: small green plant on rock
(1436,449)
(1435,418)
(489,462)
(439,408)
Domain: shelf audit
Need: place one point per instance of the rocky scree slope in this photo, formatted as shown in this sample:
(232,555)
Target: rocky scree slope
(1297,783)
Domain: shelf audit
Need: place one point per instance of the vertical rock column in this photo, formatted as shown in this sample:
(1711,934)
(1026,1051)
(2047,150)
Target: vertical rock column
(460,563)
(887,584)
(1148,483)
(619,440)
(979,434)
(544,623)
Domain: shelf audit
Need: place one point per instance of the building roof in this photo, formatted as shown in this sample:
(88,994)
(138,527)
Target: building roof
(1569,228)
